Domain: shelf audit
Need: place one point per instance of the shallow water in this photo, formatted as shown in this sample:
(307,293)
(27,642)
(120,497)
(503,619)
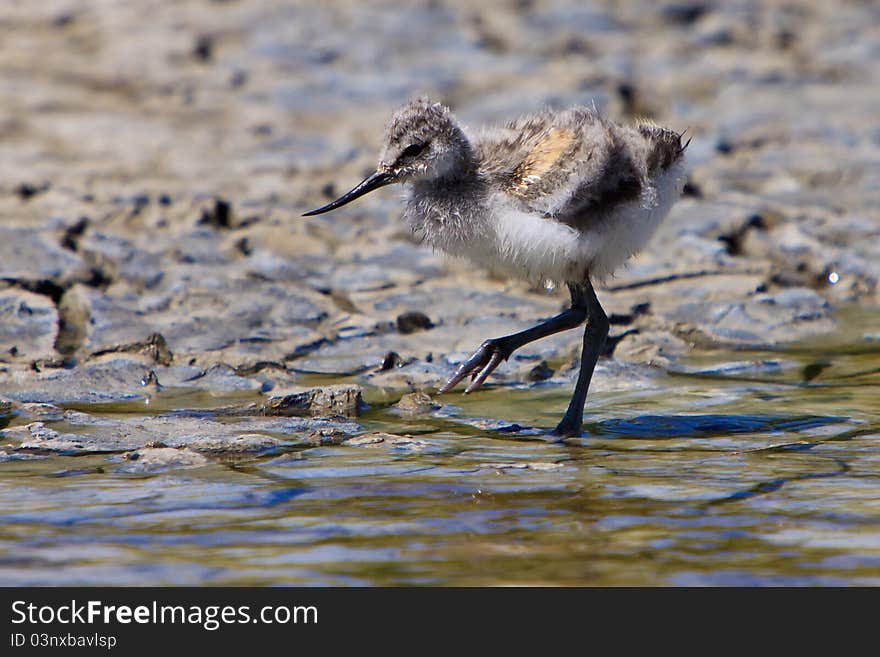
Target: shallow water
(737,468)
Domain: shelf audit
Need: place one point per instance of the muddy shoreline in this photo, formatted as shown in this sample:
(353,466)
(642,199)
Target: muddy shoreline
(155,164)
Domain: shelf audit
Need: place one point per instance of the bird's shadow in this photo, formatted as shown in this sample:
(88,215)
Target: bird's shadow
(668,427)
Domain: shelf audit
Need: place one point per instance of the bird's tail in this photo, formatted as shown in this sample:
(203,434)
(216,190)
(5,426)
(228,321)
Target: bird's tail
(665,146)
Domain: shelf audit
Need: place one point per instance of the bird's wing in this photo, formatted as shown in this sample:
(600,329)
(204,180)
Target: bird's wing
(572,166)
(542,163)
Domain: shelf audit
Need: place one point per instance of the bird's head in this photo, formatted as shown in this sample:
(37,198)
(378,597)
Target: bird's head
(422,142)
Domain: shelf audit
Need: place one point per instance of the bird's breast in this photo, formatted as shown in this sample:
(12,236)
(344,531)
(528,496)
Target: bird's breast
(447,217)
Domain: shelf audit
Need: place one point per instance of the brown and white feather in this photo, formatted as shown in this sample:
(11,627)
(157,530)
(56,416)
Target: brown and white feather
(563,195)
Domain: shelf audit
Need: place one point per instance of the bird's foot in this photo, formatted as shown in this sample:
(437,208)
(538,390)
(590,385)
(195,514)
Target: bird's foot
(479,366)
(567,429)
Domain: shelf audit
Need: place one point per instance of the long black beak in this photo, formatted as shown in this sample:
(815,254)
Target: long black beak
(374,181)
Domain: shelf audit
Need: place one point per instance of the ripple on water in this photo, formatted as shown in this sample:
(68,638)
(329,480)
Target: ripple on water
(776,485)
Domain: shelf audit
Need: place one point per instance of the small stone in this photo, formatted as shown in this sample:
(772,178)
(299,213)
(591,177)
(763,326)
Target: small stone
(27,191)
(204,48)
(151,381)
(724,147)
(407,442)
(329,436)
(416,403)
(244,246)
(154,346)
(151,460)
(413,321)
(219,216)
(392,359)
(70,239)
(691,190)
(369,440)
(394,441)
(344,399)
(240,444)
(540,372)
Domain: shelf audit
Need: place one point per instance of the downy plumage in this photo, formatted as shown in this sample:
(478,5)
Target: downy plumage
(566,196)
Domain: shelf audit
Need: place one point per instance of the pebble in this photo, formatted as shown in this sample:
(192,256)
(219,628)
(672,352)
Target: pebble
(417,403)
(160,459)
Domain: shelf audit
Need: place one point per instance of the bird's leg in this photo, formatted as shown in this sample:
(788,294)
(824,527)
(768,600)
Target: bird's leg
(495,351)
(594,340)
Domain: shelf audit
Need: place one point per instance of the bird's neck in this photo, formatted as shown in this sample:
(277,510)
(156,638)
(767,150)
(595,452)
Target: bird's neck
(449,211)
(448,201)
(457,166)
(459,183)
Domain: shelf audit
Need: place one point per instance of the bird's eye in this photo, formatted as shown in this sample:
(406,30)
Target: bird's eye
(412,150)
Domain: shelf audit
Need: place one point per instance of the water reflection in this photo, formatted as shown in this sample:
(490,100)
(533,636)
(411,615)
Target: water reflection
(656,427)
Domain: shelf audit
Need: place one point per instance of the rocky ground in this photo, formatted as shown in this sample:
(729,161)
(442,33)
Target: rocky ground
(155,158)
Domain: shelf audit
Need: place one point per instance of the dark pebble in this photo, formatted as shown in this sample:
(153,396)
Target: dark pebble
(70,239)
(724,147)
(734,240)
(812,370)
(98,277)
(204,48)
(540,372)
(732,243)
(244,246)
(413,321)
(756,221)
(220,216)
(151,379)
(785,39)
(392,359)
(692,190)
(685,13)
(26,191)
